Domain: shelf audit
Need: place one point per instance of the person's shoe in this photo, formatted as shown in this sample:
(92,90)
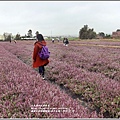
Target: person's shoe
(43,77)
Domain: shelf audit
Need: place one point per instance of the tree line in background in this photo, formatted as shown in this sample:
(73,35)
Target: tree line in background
(84,33)
(9,36)
(87,33)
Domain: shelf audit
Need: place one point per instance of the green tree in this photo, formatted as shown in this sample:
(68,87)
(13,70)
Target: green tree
(7,36)
(108,36)
(86,33)
(102,34)
(17,37)
(83,32)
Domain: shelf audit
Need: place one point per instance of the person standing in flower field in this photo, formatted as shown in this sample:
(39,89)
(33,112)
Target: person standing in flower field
(53,40)
(37,61)
(66,42)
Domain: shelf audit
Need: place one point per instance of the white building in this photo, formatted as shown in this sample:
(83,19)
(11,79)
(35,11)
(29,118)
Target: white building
(2,37)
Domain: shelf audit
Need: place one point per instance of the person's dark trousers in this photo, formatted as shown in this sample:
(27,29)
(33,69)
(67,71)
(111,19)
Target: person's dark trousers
(41,70)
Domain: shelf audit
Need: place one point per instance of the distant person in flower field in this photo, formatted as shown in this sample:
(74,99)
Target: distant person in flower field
(58,39)
(65,41)
(53,40)
(37,61)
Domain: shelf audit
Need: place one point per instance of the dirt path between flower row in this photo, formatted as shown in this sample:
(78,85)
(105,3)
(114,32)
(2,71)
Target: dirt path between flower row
(96,45)
(109,46)
(106,46)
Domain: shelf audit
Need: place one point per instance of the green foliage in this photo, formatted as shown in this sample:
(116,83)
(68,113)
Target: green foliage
(17,37)
(102,34)
(86,33)
(108,36)
(7,37)
(73,38)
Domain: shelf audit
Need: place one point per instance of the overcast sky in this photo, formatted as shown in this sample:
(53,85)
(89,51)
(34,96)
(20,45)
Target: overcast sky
(58,17)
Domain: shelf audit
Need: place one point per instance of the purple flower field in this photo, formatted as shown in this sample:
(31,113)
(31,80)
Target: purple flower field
(84,79)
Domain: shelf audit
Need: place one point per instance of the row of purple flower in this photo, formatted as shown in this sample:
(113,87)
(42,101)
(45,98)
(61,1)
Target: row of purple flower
(23,93)
(92,73)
